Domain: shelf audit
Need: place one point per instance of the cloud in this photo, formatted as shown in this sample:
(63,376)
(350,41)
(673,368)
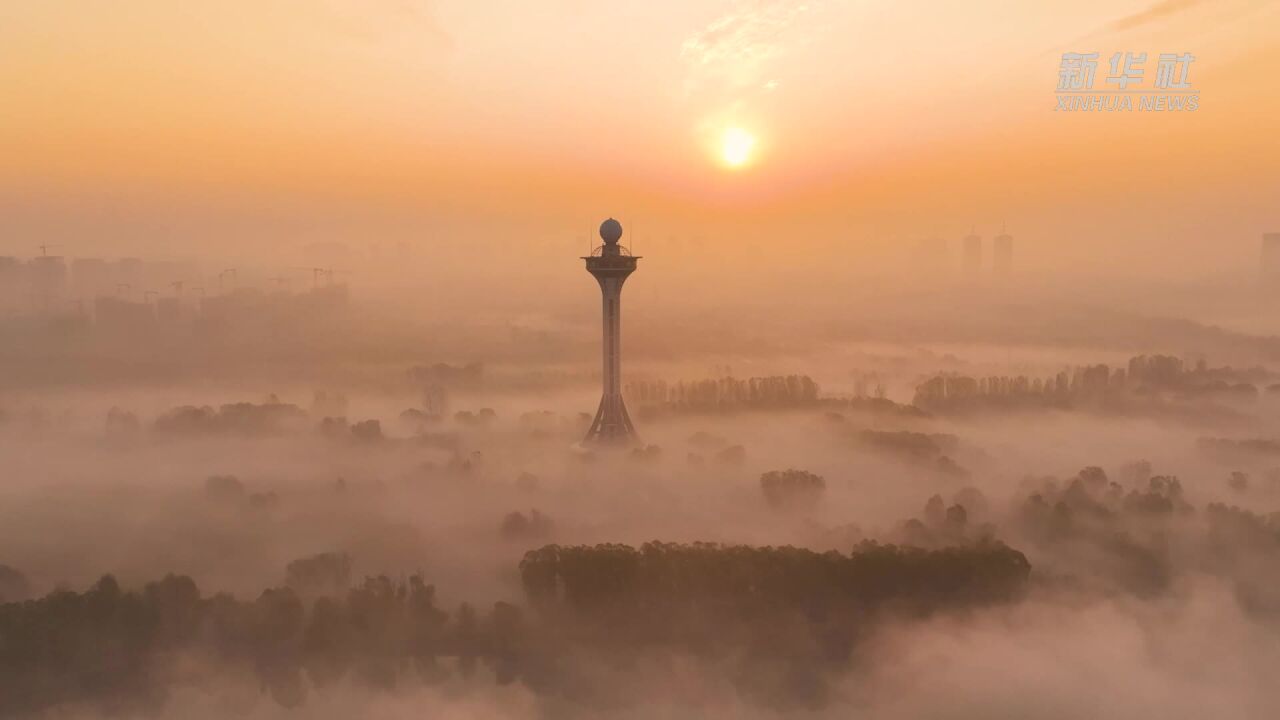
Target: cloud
(1154,13)
(734,50)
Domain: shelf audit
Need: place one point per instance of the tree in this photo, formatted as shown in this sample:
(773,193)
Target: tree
(791,489)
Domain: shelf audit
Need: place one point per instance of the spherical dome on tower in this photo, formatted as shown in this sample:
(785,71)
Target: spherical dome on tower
(611,231)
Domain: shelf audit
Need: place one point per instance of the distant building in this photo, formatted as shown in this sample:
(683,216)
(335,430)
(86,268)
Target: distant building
(1270,265)
(972,254)
(117,315)
(48,274)
(1002,254)
(12,276)
(128,271)
(169,310)
(91,276)
(10,269)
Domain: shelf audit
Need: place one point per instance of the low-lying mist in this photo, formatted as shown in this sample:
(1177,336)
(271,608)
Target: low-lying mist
(946,527)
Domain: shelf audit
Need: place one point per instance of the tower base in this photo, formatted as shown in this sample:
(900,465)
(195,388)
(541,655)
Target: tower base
(612,424)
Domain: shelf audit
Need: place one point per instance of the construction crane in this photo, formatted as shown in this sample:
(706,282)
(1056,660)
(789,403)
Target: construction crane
(316,274)
(278,280)
(228,271)
(128,289)
(177,287)
(146,294)
(44,249)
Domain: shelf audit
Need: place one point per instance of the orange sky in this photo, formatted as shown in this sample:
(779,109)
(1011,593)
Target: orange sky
(144,123)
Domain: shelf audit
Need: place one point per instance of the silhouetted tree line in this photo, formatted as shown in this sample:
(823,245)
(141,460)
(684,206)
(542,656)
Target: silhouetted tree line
(928,449)
(246,418)
(517,526)
(1246,547)
(1231,527)
(943,525)
(792,615)
(484,417)
(361,431)
(724,394)
(1243,450)
(792,488)
(318,575)
(1124,531)
(228,490)
(874,406)
(719,450)
(1091,384)
(659,582)
(120,649)
(783,619)
(923,446)
(1164,372)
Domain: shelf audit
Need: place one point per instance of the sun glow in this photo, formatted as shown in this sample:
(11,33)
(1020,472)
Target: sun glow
(736,145)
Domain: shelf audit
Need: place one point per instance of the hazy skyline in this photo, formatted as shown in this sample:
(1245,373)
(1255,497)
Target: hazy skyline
(156,127)
(932,395)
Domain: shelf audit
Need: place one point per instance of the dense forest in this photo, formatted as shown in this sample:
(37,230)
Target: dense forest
(124,649)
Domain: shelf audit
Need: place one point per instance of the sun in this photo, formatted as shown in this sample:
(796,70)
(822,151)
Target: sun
(736,145)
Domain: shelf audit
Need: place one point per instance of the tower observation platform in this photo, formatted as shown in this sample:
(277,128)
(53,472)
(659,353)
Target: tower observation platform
(610,264)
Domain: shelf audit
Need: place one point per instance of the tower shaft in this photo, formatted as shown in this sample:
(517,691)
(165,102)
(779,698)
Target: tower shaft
(611,420)
(611,294)
(611,267)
